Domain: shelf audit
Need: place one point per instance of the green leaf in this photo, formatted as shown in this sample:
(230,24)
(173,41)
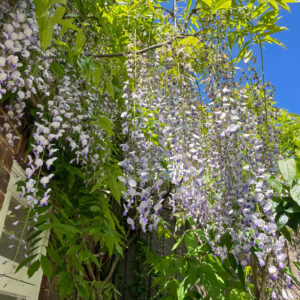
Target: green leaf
(267,33)
(33,268)
(207,2)
(85,255)
(119,249)
(241,275)
(292,209)
(221,4)
(58,15)
(275,185)
(109,243)
(294,221)
(95,261)
(72,250)
(62,197)
(297,265)
(283,219)
(57,69)
(80,40)
(65,284)
(76,171)
(68,228)
(295,193)
(237,294)
(213,283)
(187,9)
(110,88)
(45,226)
(25,262)
(67,24)
(46,266)
(41,7)
(226,239)
(83,291)
(201,234)
(54,255)
(248,56)
(95,208)
(286,232)
(48,30)
(45,22)
(296,140)
(177,243)
(97,76)
(115,187)
(64,2)
(230,38)
(283,4)
(274,4)
(181,291)
(288,272)
(232,260)
(288,170)
(191,242)
(105,123)
(149,3)
(97,185)
(46,33)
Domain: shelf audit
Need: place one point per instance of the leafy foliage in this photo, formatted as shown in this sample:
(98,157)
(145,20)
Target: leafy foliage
(287,187)
(99,85)
(195,273)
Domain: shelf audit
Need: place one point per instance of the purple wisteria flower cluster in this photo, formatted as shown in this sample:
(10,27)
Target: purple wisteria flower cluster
(19,36)
(62,125)
(162,124)
(203,154)
(64,110)
(24,72)
(144,155)
(217,154)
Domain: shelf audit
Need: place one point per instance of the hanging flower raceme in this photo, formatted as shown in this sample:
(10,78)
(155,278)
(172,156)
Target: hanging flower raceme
(62,119)
(64,125)
(215,155)
(19,53)
(204,157)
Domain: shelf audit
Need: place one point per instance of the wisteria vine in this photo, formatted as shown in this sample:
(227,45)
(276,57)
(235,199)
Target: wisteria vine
(204,149)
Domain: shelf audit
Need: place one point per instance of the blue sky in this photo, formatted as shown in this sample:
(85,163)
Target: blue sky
(282,66)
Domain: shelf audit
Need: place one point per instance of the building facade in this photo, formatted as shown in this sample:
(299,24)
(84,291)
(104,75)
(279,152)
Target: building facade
(14,285)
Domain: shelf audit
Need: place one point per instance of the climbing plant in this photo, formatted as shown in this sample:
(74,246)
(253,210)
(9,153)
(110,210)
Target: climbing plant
(133,109)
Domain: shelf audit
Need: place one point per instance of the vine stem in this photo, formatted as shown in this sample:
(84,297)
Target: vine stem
(175,12)
(27,217)
(263,78)
(135,63)
(117,258)
(264,279)
(254,274)
(159,45)
(21,238)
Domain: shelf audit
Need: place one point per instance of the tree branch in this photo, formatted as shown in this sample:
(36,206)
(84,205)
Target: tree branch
(254,274)
(165,9)
(89,271)
(264,279)
(117,258)
(112,269)
(123,54)
(130,53)
(33,101)
(193,11)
